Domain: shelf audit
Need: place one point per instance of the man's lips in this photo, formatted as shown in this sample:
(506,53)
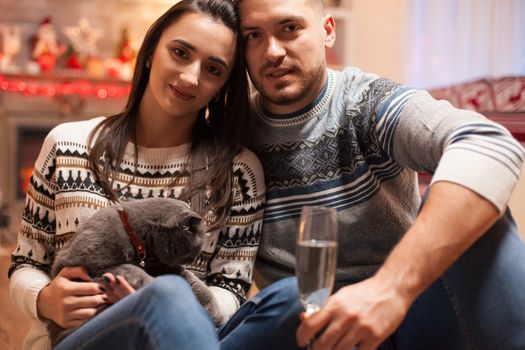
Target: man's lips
(277,73)
(183,95)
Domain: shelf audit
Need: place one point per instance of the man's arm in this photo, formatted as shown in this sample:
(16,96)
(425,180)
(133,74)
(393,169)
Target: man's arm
(452,219)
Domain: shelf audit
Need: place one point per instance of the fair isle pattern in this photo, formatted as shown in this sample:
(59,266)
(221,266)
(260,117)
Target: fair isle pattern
(317,107)
(63,193)
(358,152)
(333,169)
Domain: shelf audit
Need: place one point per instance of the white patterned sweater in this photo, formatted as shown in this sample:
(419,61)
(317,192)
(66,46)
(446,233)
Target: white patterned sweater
(63,193)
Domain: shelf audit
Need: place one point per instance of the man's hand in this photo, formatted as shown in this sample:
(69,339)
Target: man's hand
(363,314)
(366,313)
(71,298)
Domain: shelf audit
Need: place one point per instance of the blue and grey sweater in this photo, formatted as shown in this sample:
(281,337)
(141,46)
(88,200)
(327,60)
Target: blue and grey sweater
(357,148)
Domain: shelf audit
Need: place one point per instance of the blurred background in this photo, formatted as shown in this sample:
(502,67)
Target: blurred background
(64,60)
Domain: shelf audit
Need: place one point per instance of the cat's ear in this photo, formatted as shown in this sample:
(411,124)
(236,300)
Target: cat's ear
(192,222)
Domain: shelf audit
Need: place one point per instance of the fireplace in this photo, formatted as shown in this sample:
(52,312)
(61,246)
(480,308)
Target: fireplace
(29,140)
(30,106)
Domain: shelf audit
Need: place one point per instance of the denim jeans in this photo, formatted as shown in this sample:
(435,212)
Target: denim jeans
(479,303)
(166,315)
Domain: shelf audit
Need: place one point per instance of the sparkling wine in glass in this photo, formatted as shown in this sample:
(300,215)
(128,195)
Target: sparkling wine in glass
(316,254)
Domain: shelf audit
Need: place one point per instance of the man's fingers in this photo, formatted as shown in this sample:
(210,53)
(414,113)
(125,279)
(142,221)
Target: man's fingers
(337,330)
(310,326)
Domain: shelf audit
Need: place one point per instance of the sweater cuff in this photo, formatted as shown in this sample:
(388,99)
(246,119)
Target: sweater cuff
(227,300)
(24,286)
(476,174)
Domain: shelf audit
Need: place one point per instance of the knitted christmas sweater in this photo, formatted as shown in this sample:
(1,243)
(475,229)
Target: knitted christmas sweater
(357,148)
(63,193)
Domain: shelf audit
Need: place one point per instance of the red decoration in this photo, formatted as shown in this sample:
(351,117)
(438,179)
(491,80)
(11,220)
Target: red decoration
(83,88)
(46,61)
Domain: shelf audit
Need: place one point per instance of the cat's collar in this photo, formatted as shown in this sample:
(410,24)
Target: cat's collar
(140,249)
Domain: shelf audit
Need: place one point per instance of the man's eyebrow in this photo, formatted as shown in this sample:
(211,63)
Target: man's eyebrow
(281,22)
(291,19)
(194,49)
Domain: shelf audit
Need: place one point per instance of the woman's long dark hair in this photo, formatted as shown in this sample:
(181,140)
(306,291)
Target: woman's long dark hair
(215,140)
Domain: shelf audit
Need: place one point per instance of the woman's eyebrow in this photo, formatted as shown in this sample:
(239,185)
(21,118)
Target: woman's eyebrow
(194,49)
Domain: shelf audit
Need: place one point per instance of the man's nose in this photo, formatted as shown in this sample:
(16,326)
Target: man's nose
(275,50)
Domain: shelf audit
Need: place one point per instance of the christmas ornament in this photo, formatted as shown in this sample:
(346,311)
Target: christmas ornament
(83,38)
(46,47)
(10,43)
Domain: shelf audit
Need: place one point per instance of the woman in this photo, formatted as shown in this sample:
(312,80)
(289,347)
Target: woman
(178,136)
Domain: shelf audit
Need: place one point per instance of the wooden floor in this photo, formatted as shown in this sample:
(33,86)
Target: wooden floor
(13,324)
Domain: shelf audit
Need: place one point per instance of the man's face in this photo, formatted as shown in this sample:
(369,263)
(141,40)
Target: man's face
(285,51)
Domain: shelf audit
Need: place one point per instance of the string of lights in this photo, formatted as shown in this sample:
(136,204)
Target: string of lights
(70,86)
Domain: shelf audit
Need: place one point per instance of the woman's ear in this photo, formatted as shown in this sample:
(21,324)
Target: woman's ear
(329,28)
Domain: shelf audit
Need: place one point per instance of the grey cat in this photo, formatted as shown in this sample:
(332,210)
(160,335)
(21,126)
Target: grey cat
(170,231)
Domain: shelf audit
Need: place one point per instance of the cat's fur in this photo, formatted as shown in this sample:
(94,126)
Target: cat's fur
(170,231)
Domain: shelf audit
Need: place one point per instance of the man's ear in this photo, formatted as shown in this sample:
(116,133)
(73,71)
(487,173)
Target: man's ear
(329,28)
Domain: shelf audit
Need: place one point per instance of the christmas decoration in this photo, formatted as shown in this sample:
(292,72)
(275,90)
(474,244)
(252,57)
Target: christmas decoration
(46,47)
(10,43)
(83,88)
(121,67)
(72,60)
(83,38)
(126,51)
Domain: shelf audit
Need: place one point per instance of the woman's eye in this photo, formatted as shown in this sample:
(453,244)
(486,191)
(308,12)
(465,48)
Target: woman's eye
(251,35)
(179,52)
(214,70)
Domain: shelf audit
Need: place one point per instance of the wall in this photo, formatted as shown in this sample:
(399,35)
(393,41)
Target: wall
(378,34)
(110,16)
(379,37)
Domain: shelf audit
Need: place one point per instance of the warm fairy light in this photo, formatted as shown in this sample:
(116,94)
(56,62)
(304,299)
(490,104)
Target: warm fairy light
(75,87)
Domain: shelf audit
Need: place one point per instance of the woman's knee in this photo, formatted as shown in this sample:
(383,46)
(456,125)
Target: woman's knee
(166,288)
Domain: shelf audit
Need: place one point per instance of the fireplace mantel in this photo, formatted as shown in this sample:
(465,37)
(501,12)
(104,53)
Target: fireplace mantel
(33,105)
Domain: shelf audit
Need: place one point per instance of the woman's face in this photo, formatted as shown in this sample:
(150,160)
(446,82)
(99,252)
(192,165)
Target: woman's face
(192,61)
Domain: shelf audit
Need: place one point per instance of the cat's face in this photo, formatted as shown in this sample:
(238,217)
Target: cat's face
(178,239)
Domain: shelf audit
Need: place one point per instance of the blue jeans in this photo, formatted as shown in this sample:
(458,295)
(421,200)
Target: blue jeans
(478,303)
(166,315)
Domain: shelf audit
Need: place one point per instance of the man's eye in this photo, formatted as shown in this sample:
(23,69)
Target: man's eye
(291,28)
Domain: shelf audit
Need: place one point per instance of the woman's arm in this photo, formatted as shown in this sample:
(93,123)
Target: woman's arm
(231,267)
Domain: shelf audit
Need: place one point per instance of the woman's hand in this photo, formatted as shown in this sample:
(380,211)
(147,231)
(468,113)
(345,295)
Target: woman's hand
(71,298)
(116,287)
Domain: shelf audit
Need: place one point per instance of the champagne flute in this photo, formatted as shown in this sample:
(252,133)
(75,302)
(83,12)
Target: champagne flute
(316,254)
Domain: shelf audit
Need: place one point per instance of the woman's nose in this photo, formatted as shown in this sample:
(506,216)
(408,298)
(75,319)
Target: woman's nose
(190,75)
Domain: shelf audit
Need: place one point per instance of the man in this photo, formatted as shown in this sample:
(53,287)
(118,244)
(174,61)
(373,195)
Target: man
(449,277)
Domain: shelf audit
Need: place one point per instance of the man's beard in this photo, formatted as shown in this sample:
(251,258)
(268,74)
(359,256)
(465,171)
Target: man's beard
(284,95)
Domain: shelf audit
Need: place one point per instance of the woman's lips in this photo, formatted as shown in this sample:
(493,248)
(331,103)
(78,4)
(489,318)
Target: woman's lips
(183,95)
